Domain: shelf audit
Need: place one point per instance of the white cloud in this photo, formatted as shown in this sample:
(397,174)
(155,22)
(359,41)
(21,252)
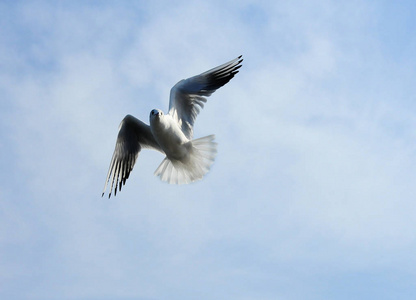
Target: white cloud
(323,190)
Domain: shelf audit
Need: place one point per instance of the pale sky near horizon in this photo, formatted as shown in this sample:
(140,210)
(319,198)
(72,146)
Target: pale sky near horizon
(311,196)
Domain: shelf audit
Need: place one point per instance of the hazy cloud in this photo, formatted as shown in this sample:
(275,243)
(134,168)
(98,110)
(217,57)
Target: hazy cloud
(311,195)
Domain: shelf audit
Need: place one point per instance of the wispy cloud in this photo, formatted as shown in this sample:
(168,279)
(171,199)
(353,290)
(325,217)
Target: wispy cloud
(313,179)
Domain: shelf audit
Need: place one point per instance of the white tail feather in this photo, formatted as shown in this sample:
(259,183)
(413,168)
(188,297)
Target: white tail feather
(201,157)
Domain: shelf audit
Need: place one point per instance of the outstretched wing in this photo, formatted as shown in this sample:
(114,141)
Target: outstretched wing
(133,135)
(188,95)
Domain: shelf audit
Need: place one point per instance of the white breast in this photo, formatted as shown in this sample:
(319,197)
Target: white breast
(169,136)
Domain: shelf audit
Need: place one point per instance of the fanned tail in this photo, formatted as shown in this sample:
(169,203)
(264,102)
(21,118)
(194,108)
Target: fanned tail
(201,157)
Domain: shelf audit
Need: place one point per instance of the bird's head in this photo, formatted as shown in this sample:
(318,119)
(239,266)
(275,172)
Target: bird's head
(155,116)
(156,113)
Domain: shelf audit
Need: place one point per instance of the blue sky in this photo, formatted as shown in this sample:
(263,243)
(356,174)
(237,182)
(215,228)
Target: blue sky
(312,194)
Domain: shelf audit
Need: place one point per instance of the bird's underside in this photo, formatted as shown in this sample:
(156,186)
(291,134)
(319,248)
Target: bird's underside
(187,159)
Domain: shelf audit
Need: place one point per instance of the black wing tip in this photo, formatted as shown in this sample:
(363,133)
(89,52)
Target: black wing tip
(109,195)
(235,62)
(236,68)
(120,182)
(225,74)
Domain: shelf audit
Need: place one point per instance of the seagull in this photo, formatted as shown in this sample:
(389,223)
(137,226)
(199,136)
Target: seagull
(187,159)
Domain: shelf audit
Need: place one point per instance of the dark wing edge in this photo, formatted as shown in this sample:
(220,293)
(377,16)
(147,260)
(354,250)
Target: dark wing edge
(133,135)
(219,76)
(187,97)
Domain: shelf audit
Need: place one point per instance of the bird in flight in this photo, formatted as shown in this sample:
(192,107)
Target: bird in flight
(187,159)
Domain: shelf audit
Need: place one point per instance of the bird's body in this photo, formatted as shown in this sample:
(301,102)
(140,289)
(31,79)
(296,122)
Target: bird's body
(169,135)
(187,159)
